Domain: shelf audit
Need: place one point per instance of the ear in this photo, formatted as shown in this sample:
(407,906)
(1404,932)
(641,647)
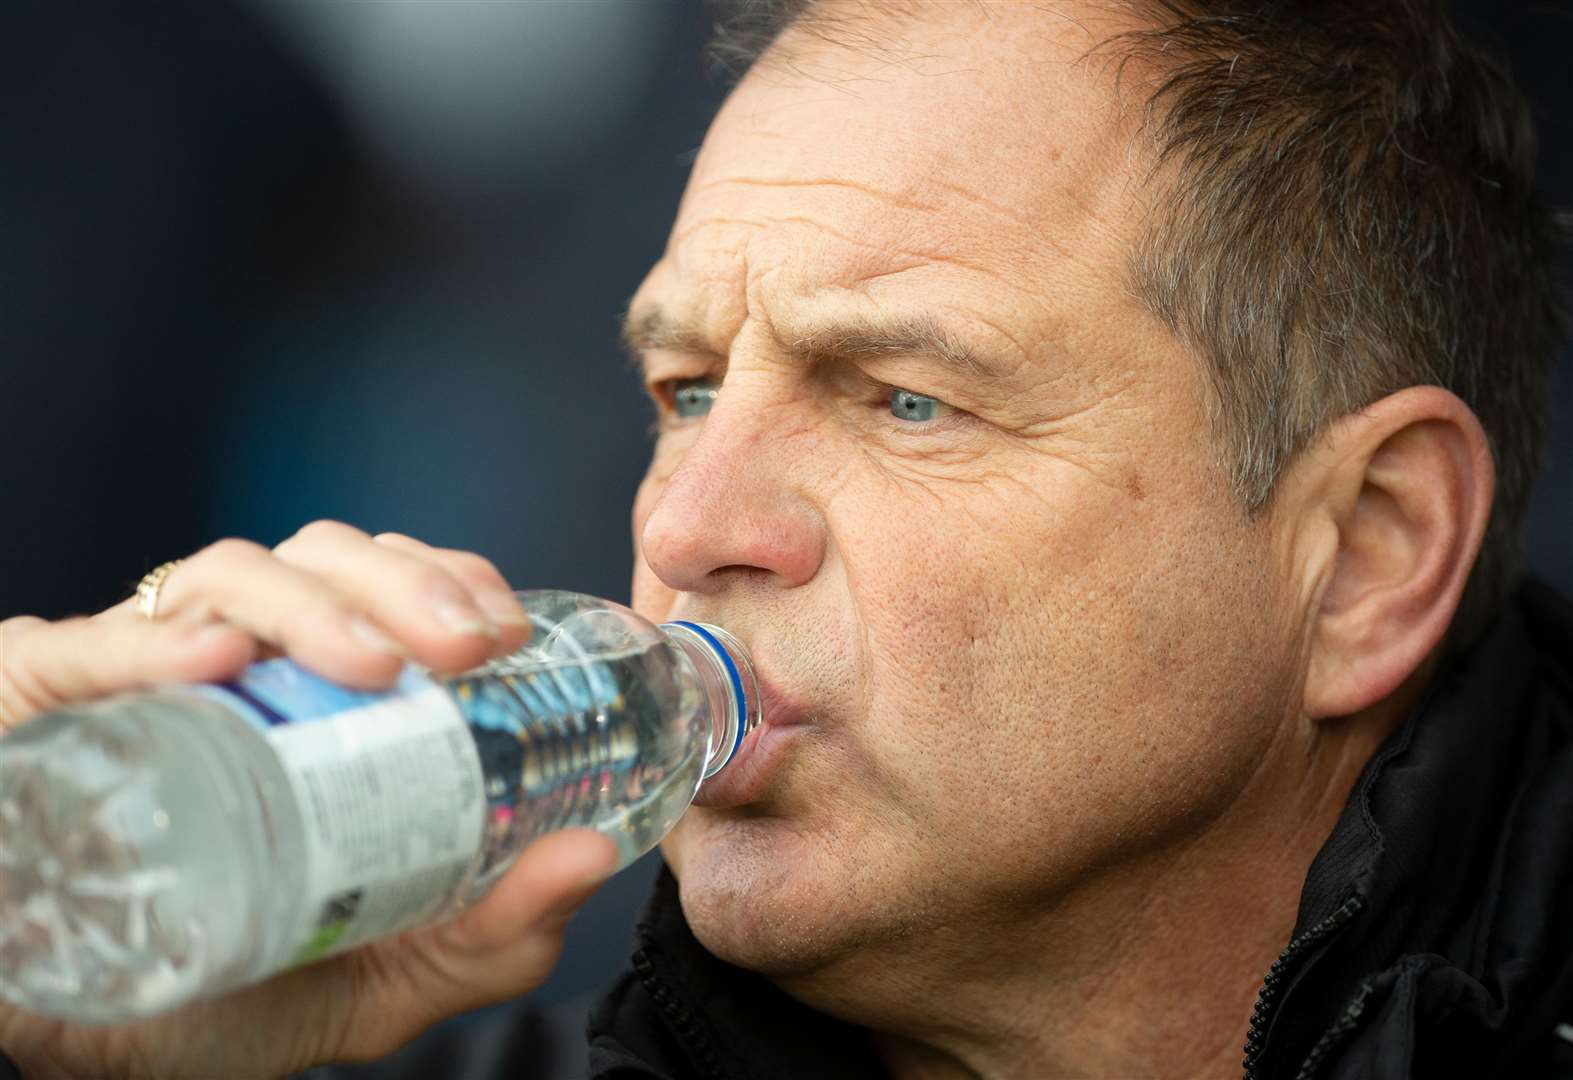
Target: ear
(1407,485)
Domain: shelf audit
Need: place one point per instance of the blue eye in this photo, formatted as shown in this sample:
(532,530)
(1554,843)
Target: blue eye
(909,406)
(693,397)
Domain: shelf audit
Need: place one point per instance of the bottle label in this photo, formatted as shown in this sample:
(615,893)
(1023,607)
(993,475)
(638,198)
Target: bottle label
(389,789)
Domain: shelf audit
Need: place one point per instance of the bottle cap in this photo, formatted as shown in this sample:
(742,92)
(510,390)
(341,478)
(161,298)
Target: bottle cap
(734,691)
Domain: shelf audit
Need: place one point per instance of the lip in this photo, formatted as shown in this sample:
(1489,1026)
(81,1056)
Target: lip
(748,775)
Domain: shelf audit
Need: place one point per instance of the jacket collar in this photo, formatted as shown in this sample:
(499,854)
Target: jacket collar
(1437,894)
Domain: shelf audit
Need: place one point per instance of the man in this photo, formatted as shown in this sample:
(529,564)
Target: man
(1108,425)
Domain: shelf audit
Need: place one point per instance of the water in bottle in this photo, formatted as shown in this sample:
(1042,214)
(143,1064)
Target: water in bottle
(170,844)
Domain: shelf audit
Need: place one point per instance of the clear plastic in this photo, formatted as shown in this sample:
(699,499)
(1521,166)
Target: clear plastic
(167,845)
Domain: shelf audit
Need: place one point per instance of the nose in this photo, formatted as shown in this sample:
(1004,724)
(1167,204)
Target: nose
(731,505)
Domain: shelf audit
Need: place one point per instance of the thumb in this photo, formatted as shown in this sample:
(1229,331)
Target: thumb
(44,665)
(508,943)
(504,946)
(552,878)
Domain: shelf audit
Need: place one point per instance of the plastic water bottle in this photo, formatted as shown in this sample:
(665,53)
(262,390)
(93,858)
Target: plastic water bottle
(170,844)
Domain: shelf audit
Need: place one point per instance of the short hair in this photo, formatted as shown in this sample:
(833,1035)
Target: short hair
(1350,209)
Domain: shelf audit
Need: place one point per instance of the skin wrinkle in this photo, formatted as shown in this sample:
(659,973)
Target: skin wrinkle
(716,222)
(927,258)
(868,279)
(894,471)
(1027,293)
(1067,458)
(1121,943)
(902,202)
(1055,709)
(995,326)
(650,330)
(874,341)
(987,203)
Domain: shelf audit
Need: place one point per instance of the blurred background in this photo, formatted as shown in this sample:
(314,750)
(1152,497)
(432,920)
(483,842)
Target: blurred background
(266,262)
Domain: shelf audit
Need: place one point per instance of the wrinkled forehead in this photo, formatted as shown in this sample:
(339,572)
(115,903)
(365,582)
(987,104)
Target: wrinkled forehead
(965,126)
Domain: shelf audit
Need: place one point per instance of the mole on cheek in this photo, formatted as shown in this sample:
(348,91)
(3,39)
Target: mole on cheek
(1136,485)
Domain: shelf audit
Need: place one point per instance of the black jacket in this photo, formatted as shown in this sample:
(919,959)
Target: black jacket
(1434,939)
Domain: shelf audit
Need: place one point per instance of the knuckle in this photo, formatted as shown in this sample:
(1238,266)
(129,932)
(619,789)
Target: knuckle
(433,580)
(26,638)
(470,565)
(231,549)
(395,538)
(11,629)
(326,529)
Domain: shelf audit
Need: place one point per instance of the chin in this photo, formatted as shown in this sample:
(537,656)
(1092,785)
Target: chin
(759,895)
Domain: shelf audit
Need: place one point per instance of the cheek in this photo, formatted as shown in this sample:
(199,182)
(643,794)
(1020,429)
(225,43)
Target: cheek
(944,575)
(1033,651)
(929,580)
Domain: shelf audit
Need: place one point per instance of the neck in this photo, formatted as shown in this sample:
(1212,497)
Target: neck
(1149,969)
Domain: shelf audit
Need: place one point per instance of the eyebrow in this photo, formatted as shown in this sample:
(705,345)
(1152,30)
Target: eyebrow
(862,338)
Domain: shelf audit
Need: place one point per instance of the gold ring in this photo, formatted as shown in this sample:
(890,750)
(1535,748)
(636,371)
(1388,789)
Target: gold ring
(150,585)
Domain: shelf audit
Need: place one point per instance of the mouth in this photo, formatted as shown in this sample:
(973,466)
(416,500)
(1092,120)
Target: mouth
(748,776)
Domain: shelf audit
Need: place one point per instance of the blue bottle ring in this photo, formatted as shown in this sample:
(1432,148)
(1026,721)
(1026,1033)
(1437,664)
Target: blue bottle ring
(739,701)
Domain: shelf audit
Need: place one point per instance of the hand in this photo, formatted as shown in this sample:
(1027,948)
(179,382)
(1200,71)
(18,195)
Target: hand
(351,607)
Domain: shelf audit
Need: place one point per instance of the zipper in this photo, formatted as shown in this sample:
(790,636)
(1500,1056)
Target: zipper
(1267,1000)
(1335,1034)
(682,1021)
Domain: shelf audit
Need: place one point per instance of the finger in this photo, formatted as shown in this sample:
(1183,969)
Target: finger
(503,947)
(552,878)
(490,589)
(414,598)
(45,665)
(312,621)
(126,609)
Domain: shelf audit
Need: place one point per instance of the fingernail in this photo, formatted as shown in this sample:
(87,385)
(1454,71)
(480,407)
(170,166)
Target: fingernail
(369,635)
(502,609)
(462,619)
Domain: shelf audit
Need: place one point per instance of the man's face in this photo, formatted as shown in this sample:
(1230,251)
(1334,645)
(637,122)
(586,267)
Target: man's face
(1029,636)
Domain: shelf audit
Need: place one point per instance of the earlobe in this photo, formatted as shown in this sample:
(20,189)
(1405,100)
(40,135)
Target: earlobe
(1409,488)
